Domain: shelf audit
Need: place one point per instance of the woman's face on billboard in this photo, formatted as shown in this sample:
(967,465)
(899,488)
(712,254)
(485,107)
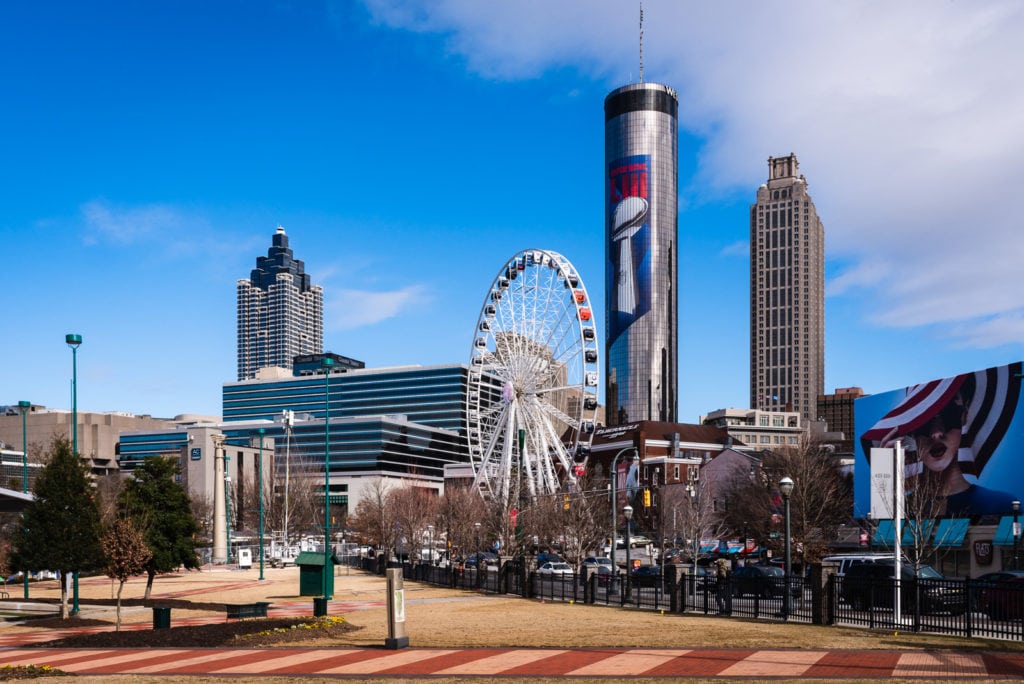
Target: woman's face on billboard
(938,441)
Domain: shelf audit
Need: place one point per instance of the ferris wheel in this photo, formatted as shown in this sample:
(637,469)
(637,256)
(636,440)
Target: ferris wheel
(532,399)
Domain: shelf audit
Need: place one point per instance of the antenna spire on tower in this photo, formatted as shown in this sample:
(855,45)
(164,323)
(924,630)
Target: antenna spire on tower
(641,42)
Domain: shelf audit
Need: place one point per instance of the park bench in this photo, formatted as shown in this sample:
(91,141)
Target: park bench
(246,610)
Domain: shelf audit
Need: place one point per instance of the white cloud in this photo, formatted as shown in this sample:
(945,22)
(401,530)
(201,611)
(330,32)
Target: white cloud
(905,117)
(739,248)
(128,225)
(349,308)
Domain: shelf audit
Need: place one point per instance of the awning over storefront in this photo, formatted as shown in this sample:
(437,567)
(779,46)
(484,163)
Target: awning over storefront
(951,532)
(1004,533)
(920,530)
(947,532)
(884,535)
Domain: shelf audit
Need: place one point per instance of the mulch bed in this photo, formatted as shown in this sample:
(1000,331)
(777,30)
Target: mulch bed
(249,633)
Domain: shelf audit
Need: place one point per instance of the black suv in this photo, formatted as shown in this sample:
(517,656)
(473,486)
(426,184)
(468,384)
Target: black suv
(867,584)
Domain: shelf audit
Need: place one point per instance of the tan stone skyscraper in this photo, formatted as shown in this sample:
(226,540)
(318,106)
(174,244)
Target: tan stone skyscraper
(787,293)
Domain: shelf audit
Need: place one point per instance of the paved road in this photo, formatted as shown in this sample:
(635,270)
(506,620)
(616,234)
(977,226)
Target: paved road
(594,662)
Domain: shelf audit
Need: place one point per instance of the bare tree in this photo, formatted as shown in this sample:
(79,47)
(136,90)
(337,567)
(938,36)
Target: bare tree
(107,488)
(693,514)
(414,508)
(457,511)
(374,518)
(920,541)
(820,503)
(127,554)
(585,517)
(202,510)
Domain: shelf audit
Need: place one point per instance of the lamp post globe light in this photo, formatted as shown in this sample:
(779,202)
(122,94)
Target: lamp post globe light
(628,512)
(1015,504)
(23,408)
(786,488)
(327,364)
(73,340)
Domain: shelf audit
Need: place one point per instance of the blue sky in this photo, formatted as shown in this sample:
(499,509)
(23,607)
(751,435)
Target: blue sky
(149,150)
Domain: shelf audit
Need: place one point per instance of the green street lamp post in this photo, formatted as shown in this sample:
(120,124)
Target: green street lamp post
(328,363)
(227,503)
(628,512)
(259,476)
(615,507)
(786,488)
(23,408)
(73,340)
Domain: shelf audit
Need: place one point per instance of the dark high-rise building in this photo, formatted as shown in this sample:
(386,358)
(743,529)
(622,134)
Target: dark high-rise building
(280,314)
(787,294)
(641,231)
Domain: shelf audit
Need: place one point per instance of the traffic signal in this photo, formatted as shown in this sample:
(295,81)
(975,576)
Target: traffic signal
(565,502)
(647,498)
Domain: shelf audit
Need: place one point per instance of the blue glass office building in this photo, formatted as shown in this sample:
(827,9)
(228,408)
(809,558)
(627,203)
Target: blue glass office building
(406,421)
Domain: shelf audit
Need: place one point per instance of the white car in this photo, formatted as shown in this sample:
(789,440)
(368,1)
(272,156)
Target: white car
(555,569)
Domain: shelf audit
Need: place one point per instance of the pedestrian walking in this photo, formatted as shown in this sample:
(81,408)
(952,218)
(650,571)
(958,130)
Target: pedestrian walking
(723,570)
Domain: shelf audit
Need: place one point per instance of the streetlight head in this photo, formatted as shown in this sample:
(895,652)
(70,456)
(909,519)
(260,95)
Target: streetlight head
(327,362)
(786,486)
(1015,505)
(628,511)
(73,340)
(24,406)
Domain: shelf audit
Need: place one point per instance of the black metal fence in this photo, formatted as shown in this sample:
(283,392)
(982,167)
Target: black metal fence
(962,607)
(952,606)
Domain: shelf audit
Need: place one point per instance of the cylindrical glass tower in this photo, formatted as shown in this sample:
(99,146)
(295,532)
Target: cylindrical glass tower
(641,230)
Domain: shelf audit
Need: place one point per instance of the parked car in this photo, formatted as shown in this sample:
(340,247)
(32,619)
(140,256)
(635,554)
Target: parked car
(869,584)
(675,556)
(548,556)
(981,583)
(844,562)
(766,581)
(555,570)
(1004,600)
(646,576)
(486,557)
(596,561)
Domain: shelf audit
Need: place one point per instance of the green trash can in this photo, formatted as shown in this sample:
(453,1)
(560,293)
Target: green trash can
(161,617)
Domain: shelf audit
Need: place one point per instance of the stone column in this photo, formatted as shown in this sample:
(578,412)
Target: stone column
(220,534)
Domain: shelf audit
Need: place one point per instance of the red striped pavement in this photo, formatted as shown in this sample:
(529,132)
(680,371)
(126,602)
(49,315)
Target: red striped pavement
(524,662)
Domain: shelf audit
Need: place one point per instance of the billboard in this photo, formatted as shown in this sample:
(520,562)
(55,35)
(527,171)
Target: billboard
(962,436)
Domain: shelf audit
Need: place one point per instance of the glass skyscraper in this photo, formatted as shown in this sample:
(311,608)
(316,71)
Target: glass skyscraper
(641,238)
(787,294)
(280,314)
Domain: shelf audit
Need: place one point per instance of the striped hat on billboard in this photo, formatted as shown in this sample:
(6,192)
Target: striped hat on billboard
(991,396)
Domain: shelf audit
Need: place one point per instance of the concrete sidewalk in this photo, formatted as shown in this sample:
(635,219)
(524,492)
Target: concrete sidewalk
(522,662)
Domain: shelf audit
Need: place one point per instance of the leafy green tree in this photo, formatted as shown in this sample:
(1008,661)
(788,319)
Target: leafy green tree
(61,526)
(161,508)
(127,554)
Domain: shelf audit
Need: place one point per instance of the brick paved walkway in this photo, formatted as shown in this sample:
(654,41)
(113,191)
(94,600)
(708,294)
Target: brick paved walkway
(522,662)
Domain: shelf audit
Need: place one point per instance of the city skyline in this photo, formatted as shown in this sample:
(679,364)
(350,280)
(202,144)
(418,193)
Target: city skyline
(410,149)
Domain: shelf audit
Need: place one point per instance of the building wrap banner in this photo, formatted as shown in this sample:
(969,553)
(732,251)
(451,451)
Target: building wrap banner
(629,265)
